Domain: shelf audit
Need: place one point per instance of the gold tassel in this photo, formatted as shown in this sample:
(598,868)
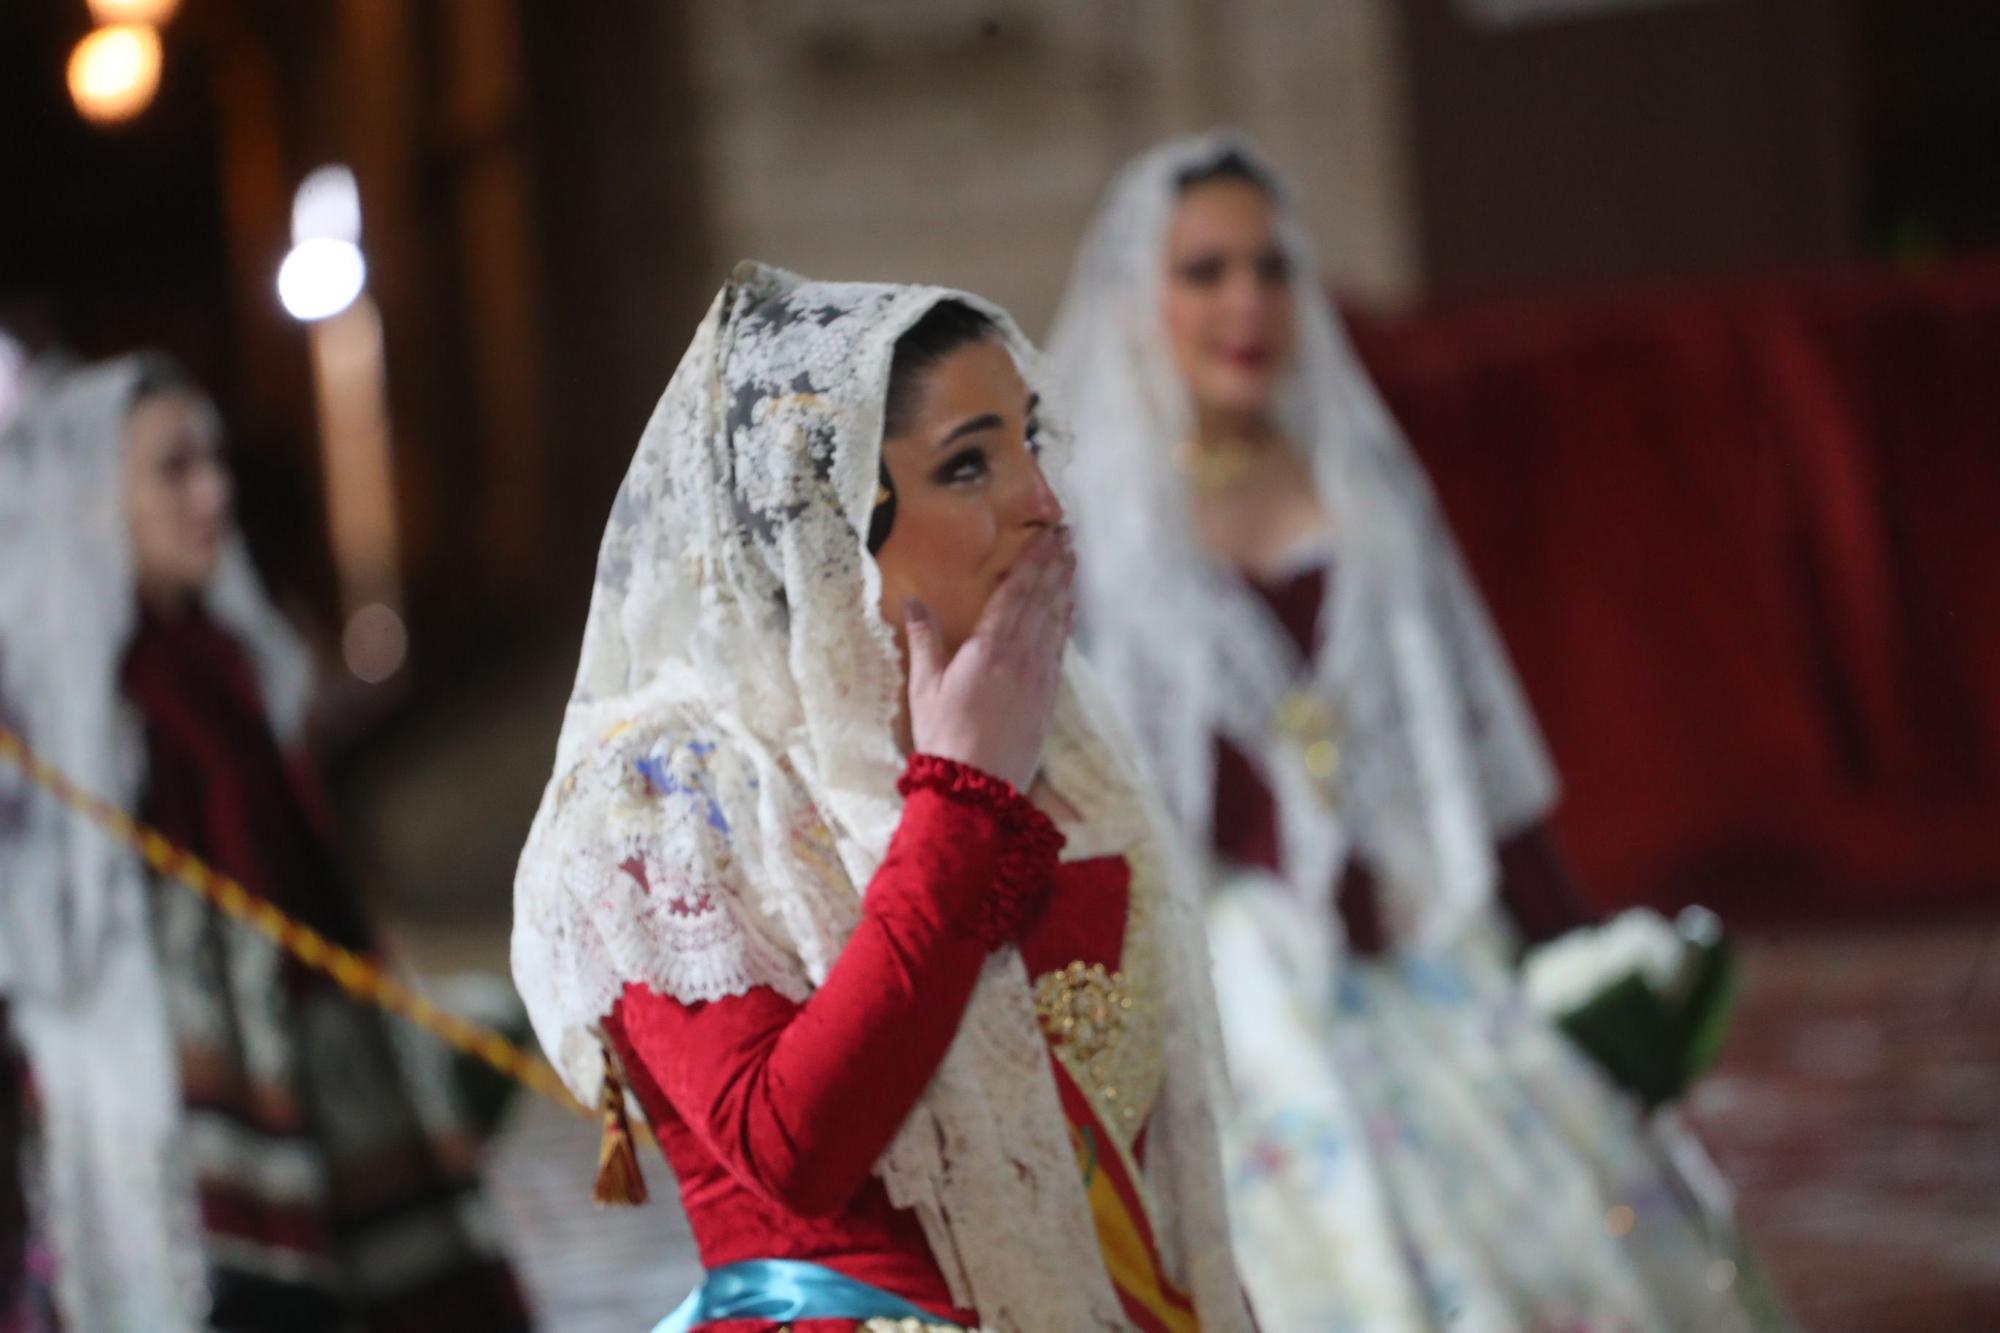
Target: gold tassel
(618,1179)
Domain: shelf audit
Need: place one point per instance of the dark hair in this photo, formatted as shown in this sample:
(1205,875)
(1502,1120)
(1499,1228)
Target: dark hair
(160,373)
(1231,166)
(942,330)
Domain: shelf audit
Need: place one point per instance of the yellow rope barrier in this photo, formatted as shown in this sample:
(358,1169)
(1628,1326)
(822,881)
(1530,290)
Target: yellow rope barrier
(355,974)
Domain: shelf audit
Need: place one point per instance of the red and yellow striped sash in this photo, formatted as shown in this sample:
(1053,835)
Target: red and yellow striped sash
(1124,1232)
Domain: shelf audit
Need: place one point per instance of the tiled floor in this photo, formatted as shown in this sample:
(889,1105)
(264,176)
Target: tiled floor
(587,1269)
(1857,1112)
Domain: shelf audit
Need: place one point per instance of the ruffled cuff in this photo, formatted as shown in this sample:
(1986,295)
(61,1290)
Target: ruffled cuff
(1029,843)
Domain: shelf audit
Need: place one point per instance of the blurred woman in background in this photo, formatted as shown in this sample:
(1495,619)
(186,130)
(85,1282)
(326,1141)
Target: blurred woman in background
(1270,590)
(229,1141)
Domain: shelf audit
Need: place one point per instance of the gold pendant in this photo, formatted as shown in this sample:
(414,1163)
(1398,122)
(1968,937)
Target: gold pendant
(1306,720)
(1211,471)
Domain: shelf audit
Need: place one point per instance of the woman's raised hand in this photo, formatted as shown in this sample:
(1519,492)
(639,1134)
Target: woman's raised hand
(990,703)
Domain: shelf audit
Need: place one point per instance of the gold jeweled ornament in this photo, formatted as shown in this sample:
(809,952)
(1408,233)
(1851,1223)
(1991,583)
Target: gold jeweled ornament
(1212,469)
(1107,1037)
(1105,1025)
(1307,721)
(1083,1006)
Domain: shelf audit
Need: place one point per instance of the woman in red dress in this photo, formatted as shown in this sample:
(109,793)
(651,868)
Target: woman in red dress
(839,868)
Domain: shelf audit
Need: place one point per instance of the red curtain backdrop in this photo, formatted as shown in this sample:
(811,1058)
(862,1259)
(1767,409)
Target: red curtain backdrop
(1744,543)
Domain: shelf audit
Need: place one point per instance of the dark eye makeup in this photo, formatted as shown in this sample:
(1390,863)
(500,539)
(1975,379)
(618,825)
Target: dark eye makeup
(179,462)
(1202,271)
(964,466)
(1271,267)
(973,462)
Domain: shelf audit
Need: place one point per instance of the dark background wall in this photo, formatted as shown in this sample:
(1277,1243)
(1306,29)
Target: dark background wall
(1706,136)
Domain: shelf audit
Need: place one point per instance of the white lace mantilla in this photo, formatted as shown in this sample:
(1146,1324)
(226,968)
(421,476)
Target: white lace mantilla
(730,739)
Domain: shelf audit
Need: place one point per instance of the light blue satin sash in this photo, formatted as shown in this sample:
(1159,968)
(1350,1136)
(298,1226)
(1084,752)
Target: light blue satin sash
(781,1289)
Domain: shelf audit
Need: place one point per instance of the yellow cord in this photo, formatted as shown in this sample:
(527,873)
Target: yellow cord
(353,973)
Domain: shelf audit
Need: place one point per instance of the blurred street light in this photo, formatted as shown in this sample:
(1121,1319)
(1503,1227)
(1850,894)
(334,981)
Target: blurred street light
(327,204)
(325,270)
(321,277)
(322,284)
(154,12)
(114,72)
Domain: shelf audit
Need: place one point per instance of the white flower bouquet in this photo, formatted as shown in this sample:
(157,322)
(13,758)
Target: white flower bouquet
(1648,1000)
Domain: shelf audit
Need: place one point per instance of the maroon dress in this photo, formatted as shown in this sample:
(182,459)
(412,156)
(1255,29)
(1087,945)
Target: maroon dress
(334,1192)
(1535,886)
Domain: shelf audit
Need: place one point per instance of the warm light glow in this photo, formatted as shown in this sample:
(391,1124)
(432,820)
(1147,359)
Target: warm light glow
(155,12)
(327,205)
(114,72)
(351,388)
(374,643)
(321,277)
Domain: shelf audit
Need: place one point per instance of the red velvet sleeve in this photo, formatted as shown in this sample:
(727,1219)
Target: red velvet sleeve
(799,1100)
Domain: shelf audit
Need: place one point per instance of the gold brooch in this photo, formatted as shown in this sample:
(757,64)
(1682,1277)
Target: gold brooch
(1309,723)
(1083,1007)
